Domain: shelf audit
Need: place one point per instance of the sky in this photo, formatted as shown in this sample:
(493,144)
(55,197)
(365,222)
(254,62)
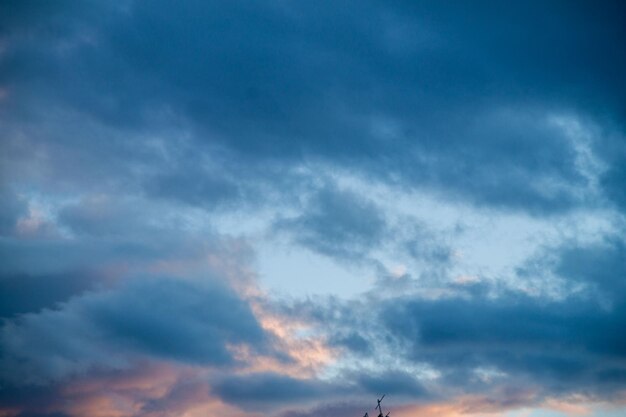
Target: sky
(289,208)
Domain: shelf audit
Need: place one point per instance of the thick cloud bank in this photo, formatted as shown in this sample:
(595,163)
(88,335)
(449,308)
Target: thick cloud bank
(291,208)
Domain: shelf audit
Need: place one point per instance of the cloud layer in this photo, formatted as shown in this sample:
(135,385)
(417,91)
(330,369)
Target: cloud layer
(291,208)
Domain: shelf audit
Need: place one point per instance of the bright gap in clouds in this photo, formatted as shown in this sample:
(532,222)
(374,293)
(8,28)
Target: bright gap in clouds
(479,244)
(288,270)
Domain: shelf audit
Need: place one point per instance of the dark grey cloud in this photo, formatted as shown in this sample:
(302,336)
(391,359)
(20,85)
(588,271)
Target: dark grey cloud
(259,390)
(11,209)
(64,255)
(174,319)
(563,347)
(433,96)
(53,414)
(37,398)
(178,398)
(168,319)
(613,181)
(337,223)
(103,216)
(194,188)
(614,178)
(395,383)
(352,341)
(111,237)
(113,116)
(602,266)
(490,337)
(335,409)
(254,390)
(27,293)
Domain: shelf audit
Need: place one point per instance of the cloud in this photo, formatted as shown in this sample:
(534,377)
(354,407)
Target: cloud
(339,409)
(294,83)
(149,149)
(337,223)
(395,383)
(24,293)
(203,189)
(167,319)
(12,208)
(601,266)
(352,341)
(564,347)
(251,391)
(260,390)
(483,340)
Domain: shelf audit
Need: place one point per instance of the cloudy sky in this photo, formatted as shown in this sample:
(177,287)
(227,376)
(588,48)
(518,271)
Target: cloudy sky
(289,208)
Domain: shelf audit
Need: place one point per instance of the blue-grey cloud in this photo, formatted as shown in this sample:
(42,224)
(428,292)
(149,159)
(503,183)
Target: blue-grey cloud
(259,390)
(194,188)
(418,93)
(481,339)
(335,409)
(602,266)
(11,209)
(395,383)
(38,398)
(125,125)
(564,347)
(252,391)
(27,293)
(168,319)
(352,341)
(337,223)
